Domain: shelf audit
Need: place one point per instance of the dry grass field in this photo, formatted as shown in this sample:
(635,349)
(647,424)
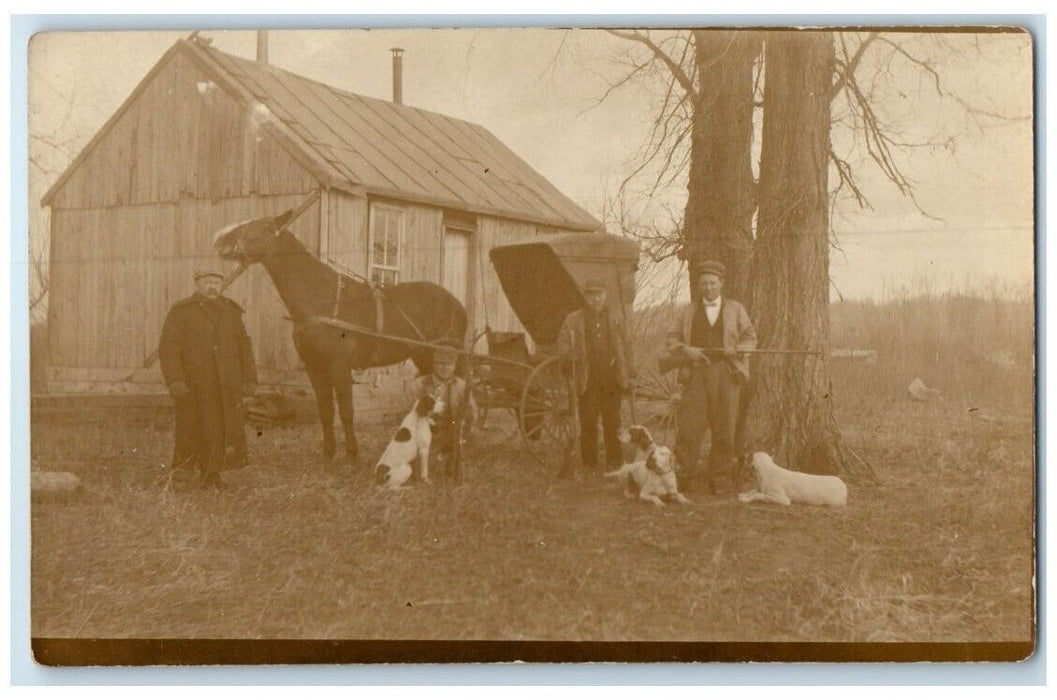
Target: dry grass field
(940,549)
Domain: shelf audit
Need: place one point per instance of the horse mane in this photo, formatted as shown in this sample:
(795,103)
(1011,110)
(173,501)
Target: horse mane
(289,245)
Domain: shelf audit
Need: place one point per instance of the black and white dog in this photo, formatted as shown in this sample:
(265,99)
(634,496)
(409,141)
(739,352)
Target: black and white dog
(412,439)
(650,479)
(649,475)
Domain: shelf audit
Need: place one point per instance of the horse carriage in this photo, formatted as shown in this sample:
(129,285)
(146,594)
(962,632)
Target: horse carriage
(543,282)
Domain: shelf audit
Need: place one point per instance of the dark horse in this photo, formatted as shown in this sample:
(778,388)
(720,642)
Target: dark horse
(313,290)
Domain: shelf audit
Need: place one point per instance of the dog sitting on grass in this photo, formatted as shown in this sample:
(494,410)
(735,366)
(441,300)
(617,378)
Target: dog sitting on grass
(412,439)
(777,485)
(650,479)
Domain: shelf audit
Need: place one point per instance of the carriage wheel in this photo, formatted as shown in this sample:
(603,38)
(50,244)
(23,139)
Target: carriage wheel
(655,404)
(547,414)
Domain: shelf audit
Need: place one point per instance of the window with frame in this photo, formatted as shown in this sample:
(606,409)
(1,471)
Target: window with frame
(387,232)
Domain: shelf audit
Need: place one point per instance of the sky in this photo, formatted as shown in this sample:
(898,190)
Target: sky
(539,91)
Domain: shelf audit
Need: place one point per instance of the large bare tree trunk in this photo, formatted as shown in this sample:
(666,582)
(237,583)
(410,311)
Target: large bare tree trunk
(792,413)
(721,192)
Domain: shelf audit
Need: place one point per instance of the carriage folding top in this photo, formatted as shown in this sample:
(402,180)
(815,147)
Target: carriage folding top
(543,279)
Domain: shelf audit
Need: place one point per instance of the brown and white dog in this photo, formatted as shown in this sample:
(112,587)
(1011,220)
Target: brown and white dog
(777,485)
(412,439)
(651,478)
(638,438)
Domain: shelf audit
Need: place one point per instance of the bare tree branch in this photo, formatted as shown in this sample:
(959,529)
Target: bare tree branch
(850,64)
(846,179)
(677,71)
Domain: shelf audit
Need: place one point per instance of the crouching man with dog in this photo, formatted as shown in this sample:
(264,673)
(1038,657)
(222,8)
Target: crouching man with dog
(711,336)
(454,409)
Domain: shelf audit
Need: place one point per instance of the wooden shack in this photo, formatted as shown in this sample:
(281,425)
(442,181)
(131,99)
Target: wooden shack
(208,139)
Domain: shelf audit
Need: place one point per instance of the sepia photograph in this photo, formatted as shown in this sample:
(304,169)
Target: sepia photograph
(540,344)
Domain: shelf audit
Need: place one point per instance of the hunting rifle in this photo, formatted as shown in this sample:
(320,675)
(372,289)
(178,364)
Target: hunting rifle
(669,361)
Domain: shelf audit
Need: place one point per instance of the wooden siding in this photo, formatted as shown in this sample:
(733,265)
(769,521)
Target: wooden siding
(490,304)
(182,137)
(420,258)
(492,307)
(117,271)
(346,231)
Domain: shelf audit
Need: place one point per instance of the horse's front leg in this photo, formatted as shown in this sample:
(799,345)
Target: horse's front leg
(323,389)
(343,394)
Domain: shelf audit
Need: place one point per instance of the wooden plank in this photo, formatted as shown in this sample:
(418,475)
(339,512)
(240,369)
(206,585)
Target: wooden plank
(190,116)
(143,315)
(156,131)
(105,374)
(130,183)
(420,257)
(86,297)
(348,231)
(103,280)
(73,400)
(204,182)
(58,280)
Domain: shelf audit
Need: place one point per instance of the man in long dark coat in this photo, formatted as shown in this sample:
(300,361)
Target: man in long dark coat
(207,361)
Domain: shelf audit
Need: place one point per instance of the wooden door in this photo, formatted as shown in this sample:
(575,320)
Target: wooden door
(456,269)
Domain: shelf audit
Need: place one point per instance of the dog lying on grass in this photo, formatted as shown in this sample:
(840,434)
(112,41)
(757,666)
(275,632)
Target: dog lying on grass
(650,479)
(777,485)
(412,439)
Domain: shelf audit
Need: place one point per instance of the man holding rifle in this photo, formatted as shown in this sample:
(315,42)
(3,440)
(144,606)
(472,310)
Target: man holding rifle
(710,338)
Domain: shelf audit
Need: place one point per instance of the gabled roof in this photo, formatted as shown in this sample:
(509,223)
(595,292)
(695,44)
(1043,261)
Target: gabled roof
(362,144)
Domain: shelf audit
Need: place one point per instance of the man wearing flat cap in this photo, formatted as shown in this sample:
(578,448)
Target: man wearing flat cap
(207,362)
(598,344)
(711,335)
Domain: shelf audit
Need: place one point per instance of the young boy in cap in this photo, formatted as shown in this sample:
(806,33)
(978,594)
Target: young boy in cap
(599,346)
(711,334)
(457,408)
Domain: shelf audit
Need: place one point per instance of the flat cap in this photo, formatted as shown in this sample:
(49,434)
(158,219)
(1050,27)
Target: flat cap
(594,285)
(208,272)
(712,267)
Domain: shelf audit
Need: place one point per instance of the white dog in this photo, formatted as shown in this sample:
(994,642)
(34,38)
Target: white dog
(651,478)
(777,485)
(412,439)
